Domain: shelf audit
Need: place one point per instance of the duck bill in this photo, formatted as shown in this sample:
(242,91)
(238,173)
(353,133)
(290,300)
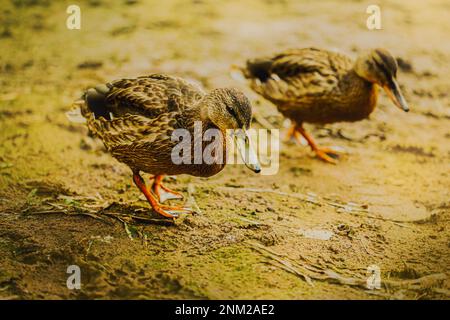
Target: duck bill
(246,150)
(393,91)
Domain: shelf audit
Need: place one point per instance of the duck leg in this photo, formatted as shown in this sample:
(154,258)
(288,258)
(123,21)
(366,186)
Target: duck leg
(322,152)
(163,193)
(166,211)
(291,133)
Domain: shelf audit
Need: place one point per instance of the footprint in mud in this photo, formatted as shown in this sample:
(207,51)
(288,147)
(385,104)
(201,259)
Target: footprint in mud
(418,151)
(47,188)
(24,249)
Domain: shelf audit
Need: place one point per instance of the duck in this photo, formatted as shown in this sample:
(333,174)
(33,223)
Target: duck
(137,118)
(311,85)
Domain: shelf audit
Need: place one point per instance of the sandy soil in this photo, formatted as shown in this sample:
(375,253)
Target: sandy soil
(64,201)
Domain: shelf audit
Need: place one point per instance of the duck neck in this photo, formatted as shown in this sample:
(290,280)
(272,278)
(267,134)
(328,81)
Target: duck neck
(365,94)
(196,113)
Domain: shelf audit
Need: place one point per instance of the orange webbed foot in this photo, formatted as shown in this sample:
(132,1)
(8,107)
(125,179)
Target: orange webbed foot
(329,155)
(163,193)
(167,211)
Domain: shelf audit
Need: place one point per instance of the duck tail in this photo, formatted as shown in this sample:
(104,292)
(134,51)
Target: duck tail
(259,69)
(91,104)
(95,102)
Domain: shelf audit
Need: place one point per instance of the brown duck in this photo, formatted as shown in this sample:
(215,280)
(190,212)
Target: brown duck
(135,119)
(319,86)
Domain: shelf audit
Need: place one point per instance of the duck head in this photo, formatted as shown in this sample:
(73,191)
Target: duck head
(380,67)
(227,109)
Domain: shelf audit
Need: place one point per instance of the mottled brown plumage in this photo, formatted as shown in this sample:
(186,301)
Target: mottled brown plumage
(135,119)
(319,86)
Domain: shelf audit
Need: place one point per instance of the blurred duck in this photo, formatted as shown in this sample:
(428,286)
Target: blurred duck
(135,119)
(319,86)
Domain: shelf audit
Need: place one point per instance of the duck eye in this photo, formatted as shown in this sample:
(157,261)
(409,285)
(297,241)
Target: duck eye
(231,111)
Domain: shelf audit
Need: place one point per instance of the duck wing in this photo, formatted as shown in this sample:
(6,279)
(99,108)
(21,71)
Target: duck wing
(134,130)
(297,74)
(148,96)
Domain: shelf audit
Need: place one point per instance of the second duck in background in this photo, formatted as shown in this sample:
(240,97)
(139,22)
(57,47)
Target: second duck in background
(319,86)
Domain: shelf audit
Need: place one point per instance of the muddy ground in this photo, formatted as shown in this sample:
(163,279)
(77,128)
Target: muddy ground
(309,232)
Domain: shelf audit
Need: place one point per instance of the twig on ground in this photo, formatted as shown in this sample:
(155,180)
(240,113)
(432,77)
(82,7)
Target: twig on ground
(285,264)
(66,212)
(314,272)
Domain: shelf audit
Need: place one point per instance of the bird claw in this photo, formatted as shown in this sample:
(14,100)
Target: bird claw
(334,150)
(175,212)
(328,155)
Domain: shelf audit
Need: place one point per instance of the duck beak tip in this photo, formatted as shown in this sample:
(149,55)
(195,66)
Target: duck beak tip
(396,96)
(247,153)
